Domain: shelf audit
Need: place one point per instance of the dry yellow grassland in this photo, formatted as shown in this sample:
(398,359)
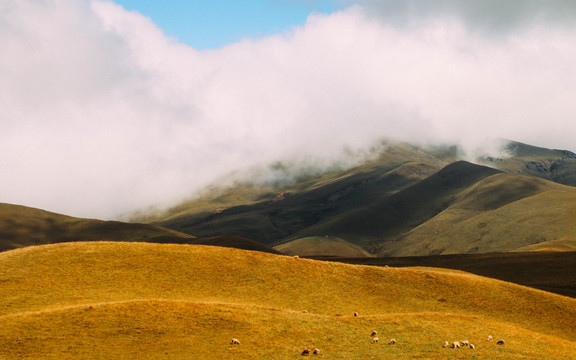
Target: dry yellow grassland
(149,301)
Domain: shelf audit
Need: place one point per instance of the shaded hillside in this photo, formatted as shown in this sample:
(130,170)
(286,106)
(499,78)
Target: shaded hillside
(322,245)
(289,212)
(391,216)
(399,204)
(549,271)
(151,301)
(23,226)
(503,213)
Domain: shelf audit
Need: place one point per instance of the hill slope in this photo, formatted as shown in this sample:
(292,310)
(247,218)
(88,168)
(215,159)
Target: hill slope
(282,216)
(322,245)
(151,301)
(502,213)
(23,226)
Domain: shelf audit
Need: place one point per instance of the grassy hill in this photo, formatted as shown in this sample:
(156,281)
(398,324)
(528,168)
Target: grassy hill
(23,226)
(550,164)
(155,301)
(281,216)
(407,209)
(502,213)
(553,271)
(236,242)
(322,245)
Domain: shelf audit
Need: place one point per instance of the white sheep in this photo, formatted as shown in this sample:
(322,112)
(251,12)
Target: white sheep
(489,338)
(464,343)
(316,351)
(374,333)
(472,347)
(456,345)
(446,344)
(392,342)
(235,342)
(375,340)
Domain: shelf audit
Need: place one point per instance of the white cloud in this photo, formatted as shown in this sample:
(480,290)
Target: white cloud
(103,114)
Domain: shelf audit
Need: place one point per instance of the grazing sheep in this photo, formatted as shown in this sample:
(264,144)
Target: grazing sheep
(464,343)
(456,345)
(235,342)
(316,351)
(375,340)
(374,333)
(356,314)
(500,342)
(296,256)
(472,347)
(489,338)
(392,342)
(446,344)
(306,352)
(305,311)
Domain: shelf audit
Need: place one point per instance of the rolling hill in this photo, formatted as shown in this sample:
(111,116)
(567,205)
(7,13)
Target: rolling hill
(22,226)
(550,164)
(164,301)
(502,213)
(411,208)
(322,245)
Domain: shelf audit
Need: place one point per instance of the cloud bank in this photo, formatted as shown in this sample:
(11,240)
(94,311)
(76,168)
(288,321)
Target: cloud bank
(103,114)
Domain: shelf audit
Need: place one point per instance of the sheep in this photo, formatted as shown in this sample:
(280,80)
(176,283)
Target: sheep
(356,314)
(472,347)
(489,338)
(375,340)
(306,352)
(456,345)
(316,351)
(304,311)
(446,344)
(374,333)
(464,343)
(500,342)
(392,342)
(235,342)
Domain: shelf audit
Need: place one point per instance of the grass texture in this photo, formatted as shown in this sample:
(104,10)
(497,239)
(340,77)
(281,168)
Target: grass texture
(104,300)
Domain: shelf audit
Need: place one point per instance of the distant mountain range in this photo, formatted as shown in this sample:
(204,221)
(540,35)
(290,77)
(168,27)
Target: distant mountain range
(407,201)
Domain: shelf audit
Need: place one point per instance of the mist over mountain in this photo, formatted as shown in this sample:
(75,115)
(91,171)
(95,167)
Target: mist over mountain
(103,114)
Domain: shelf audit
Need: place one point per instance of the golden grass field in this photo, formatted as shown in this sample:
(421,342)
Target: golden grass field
(104,300)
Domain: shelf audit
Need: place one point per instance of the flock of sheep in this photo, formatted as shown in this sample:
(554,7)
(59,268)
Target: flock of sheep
(375,339)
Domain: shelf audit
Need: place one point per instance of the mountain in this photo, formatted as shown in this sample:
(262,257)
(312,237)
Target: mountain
(504,212)
(409,201)
(163,301)
(22,226)
(550,164)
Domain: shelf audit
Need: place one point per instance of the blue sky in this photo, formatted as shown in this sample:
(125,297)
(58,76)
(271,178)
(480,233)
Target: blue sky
(209,24)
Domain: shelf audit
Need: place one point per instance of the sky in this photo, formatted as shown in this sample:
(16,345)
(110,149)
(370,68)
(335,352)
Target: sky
(113,106)
(209,24)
